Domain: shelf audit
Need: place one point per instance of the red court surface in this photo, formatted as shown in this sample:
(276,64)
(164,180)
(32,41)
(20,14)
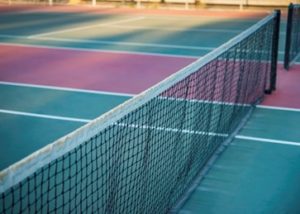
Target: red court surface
(112,72)
(287,89)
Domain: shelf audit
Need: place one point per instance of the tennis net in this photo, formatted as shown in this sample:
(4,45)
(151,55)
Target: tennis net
(144,155)
(292,42)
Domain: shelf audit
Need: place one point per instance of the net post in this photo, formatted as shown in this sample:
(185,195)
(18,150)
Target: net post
(288,37)
(274,53)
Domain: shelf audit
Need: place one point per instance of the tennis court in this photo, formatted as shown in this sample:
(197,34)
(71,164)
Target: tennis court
(63,67)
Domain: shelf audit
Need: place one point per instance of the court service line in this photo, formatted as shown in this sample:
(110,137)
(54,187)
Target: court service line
(278,108)
(116,93)
(135,126)
(206,18)
(98,50)
(176,29)
(86,27)
(185,131)
(66,89)
(122,44)
(267,140)
(204,30)
(45,116)
(126,43)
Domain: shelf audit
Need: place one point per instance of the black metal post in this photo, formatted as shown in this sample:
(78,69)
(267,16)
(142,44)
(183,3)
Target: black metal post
(288,37)
(274,57)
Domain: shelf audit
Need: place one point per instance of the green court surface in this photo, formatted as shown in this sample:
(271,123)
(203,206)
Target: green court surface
(148,34)
(64,103)
(185,36)
(33,117)
(29,135)
(274,124)
(255,176)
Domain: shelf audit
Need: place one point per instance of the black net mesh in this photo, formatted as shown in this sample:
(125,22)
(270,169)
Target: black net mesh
(292,44)
(146,161)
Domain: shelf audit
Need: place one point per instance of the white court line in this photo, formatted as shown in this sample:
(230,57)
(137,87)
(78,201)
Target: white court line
(281,62)
(137,126)
(66,89)
(46,116)
(126,43)
(176,29)
(267,140)
(203,101)
(135,44)
(113,43)
(203,17)
(278,108)
(130,95)
(185,131)
(100,50)
(179,29)
(86,27)
(116,43)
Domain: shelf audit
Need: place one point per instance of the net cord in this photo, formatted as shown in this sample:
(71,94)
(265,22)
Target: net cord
(30,164)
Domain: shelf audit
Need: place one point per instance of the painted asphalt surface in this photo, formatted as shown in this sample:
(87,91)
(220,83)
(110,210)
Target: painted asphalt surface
(250,177)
